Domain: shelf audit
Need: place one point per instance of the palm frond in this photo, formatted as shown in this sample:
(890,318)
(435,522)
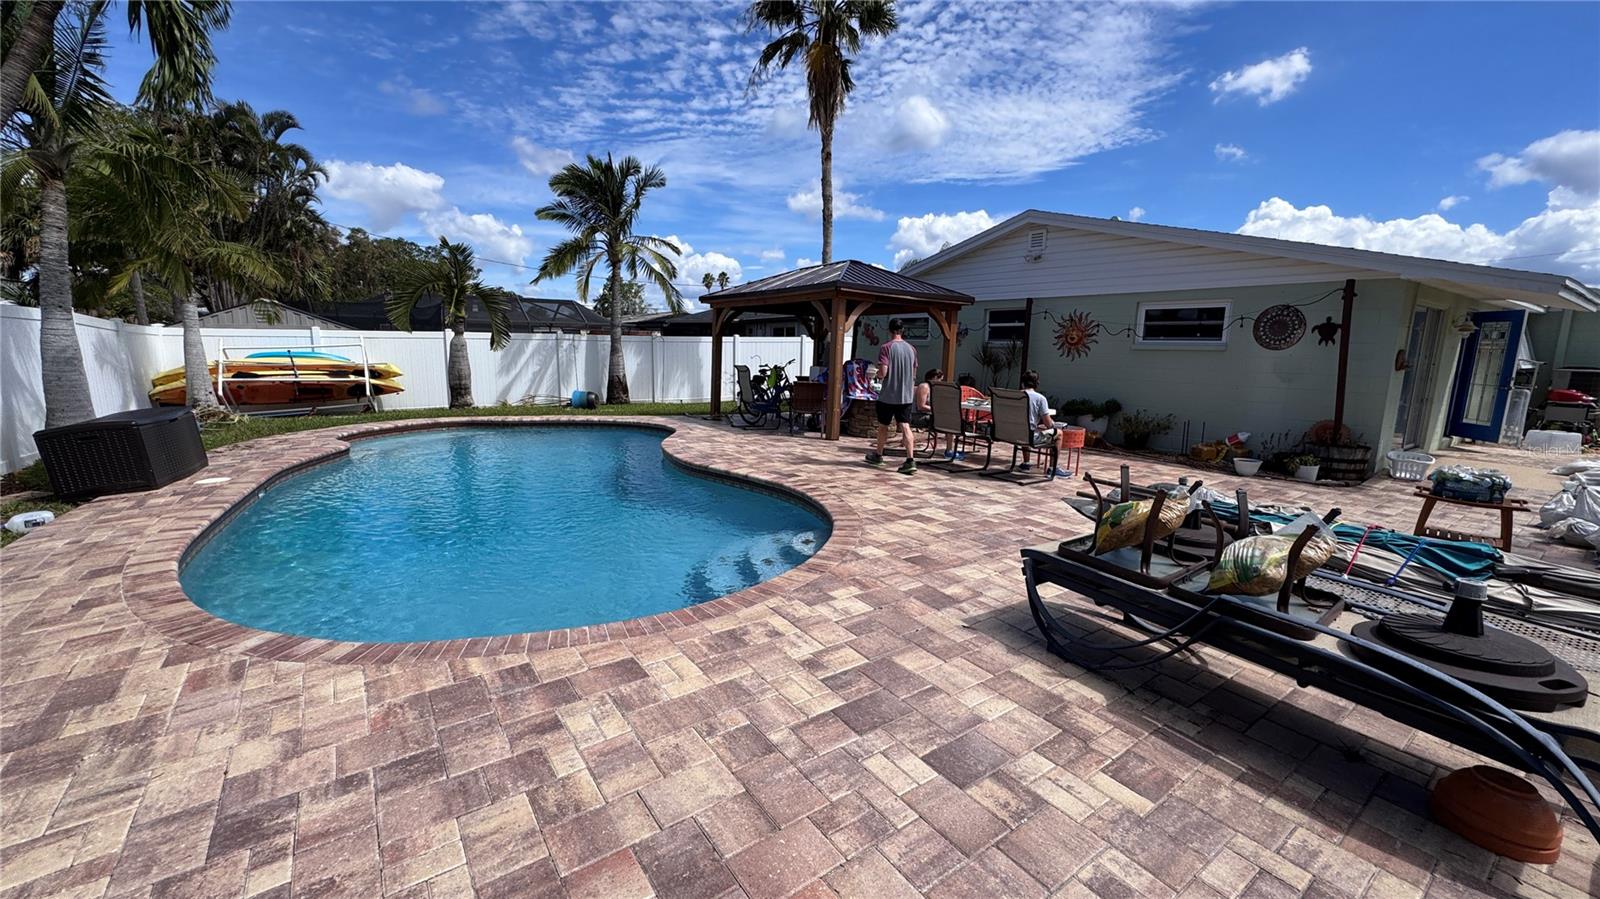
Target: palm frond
(497,305)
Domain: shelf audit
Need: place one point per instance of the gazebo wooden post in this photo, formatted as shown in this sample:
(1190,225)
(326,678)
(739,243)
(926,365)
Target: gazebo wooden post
(948,323)
(717,316)
(831,424)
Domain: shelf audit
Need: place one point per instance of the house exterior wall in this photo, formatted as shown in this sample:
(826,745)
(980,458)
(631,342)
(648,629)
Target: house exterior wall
(1216,391)
(1563,339)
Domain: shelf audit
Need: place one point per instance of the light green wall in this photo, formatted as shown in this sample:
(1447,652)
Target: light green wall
(1242,387)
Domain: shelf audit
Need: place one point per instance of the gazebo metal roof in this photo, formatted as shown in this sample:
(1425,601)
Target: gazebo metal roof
(828,300)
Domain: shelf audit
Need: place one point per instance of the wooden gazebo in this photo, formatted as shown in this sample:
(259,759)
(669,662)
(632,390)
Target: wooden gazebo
(828,299)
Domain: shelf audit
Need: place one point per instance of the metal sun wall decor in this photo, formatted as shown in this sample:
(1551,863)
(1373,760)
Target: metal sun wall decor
(1280,327)
(1075,335)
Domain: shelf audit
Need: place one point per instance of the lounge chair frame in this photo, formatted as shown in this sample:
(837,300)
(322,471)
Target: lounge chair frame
(1424,699)
(1009,413)
(945,399)
(754,408)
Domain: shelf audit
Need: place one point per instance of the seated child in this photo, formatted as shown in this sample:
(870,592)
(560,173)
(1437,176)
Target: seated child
(1044,428)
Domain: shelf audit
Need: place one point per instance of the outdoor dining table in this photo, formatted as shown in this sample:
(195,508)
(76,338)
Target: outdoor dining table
(983,406)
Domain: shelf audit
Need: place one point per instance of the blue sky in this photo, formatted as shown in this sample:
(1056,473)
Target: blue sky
(1466,131)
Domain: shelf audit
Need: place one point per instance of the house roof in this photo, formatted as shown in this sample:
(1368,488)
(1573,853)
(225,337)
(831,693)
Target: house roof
(527,314)
(1484,282)
(703,317)
(850,275)
(297,310)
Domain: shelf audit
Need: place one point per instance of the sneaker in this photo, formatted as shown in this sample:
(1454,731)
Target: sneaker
(1062,473)
(1026,466)
(909,468)
(952,455)
(875,460)
(961,457)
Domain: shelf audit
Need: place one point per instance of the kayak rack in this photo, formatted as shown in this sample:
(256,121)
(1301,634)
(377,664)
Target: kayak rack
(367,401)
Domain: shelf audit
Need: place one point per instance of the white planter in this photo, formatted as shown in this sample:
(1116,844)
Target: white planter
(1247,467)
(1091,423)
(1306,472)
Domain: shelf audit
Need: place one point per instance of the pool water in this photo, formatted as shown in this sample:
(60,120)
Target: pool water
(474,531)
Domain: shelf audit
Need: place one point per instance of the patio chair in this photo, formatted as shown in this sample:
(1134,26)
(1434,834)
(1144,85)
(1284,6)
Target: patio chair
(806,399)
(755,403)
(1010,425)
(950,420)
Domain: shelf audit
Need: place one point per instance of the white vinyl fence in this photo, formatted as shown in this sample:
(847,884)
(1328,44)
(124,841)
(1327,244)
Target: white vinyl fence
(121,358)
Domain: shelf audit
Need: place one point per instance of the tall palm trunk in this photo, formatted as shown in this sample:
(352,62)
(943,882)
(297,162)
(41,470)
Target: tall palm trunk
(26,55)
(201,394)
(66,386)
(459,367)
(827,191)
(141,313)
(617,378)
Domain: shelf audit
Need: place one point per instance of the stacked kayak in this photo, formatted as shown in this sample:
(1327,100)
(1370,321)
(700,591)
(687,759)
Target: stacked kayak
(283,377)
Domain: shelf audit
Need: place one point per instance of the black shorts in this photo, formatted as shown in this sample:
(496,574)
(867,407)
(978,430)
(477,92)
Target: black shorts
(890,413)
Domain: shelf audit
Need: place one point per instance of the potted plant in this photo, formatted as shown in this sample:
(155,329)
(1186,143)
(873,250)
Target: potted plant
(1305,466)
(1097,416)
(998,359)
(1139,426)
(1077,410)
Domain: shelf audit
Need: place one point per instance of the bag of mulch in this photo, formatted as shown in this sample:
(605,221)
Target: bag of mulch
(1258,566)
(1123,523)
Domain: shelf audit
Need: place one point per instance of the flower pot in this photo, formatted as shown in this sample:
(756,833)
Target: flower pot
(1091,423)
(1247,467)
(1306,472)
(1499,811)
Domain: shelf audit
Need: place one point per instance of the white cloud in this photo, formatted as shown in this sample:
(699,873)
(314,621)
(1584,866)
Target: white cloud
(846,205)
(773,255)
(1269,80)
(1452,201)
(1560,239)
(922,236)
(1135,214)
(918,125)
(419,101)
(1570,159)
(490,237)
(1007,91)
(387,191)
(1230,152)
(693,267)
(540,161)
(803,262)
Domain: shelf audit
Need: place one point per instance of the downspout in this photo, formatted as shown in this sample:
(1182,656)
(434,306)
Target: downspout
(1027,335)
(1348,299)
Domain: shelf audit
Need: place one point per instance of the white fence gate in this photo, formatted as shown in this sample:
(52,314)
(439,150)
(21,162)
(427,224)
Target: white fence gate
(121,358)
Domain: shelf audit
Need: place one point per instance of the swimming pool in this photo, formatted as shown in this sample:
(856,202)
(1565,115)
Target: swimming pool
(483,531)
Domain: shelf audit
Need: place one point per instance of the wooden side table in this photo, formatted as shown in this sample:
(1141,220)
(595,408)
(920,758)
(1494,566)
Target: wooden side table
(1506,508)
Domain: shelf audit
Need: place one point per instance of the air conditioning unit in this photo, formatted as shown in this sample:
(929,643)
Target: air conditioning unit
(1035,248)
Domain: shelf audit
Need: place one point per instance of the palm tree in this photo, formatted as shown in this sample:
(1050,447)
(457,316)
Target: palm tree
(709,281)
(179,33)
(823,33)
(722,280)
(453,278)
(599,201)
(68,98)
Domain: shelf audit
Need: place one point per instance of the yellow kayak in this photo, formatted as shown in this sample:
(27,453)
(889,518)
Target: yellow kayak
(249,390)
(279,364)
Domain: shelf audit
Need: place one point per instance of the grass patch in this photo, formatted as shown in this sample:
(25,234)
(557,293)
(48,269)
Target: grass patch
(219,435)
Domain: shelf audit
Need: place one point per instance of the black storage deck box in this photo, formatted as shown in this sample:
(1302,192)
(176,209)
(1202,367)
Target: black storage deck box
(123,452)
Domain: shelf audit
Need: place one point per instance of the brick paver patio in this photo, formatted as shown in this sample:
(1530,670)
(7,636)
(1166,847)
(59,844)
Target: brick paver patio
(879,722)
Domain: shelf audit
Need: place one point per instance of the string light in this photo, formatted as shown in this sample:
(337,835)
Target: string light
(1102,328)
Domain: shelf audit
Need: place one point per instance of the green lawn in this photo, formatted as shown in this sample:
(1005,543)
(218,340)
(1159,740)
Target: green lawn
(33,477)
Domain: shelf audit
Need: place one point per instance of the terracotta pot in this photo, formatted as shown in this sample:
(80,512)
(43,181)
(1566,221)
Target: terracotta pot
(1499,811)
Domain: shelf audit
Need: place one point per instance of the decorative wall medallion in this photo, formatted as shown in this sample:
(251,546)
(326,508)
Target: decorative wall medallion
(1327,332)
(1280,327)
(871,333)
(1075,336)
(961,334)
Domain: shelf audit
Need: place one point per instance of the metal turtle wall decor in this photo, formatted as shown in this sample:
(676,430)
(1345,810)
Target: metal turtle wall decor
(1279,327)
(1075,335)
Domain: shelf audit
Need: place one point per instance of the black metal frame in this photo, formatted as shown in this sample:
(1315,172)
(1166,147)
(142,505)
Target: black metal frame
(1053,450)
(754,405)
(1425,699)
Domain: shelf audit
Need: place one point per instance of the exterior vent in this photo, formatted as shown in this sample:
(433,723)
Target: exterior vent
(1035,250)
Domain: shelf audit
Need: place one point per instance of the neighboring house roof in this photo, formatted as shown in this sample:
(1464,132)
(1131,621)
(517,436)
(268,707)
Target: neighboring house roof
(527,315)
(1479,281)
(849,274)
(289,317)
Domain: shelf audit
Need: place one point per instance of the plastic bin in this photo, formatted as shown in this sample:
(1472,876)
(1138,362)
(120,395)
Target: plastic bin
(1567,442)
(127,451)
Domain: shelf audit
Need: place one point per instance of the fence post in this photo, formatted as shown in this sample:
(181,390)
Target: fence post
(316,336)
(655,370)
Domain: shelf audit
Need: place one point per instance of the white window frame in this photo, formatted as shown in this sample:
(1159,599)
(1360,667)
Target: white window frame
(1142,342)
(988,325)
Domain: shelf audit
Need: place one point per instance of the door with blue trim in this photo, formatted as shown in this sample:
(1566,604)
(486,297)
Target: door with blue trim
(1483,376)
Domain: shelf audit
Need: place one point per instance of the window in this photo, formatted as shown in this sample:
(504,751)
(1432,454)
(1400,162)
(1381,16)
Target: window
(781,331)
(1183,324)
(1006,325)
(916,328)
